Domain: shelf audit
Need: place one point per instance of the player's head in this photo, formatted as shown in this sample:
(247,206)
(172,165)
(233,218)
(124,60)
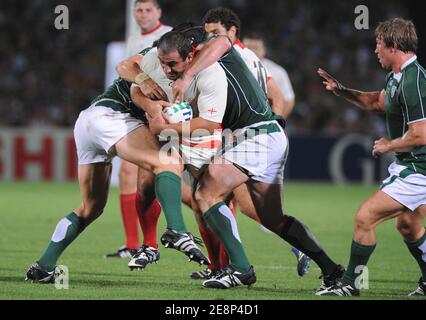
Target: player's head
(192,31)
(393,37)
(255,43)
(147,14)
(222,21)
(175,52)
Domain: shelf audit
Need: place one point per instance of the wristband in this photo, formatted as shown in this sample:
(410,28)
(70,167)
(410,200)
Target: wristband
(141,77)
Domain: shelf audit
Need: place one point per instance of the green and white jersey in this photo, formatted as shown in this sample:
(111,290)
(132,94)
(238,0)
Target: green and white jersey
(247,103)
(117,97)
(405,103)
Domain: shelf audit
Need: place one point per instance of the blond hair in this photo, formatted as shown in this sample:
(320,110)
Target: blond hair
(398,32)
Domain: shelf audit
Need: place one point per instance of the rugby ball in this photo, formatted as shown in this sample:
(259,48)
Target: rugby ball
(179,112)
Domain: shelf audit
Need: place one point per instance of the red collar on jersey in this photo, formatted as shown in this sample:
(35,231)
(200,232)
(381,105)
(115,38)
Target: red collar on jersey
(239,43)
(153,29)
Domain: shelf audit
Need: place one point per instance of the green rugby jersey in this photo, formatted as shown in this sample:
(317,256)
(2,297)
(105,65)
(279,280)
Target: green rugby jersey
(247,103)
(405,102)
(117,97)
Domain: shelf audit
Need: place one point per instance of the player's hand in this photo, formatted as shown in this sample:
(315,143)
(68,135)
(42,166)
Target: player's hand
(330,83)
(179,88)
(152,90)
(154,107)
(128,70)
(157,122)
(381,146)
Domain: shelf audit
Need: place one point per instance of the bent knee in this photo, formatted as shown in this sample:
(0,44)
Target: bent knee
(364,218)
(90,211)
(176,168)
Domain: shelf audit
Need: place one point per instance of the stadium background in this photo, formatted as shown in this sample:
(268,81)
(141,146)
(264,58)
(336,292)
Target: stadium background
(47,76)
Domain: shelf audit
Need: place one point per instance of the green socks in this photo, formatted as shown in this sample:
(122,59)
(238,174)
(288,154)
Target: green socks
(169,194)
(418,251)
(359,258)
(223,223)
(66,231)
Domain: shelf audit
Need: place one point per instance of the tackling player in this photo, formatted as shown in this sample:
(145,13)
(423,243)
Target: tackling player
(133,205)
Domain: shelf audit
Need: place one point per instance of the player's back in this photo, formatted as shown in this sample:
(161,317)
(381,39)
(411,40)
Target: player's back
(247,103)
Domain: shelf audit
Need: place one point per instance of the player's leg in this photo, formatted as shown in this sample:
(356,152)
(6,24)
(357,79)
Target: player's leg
(148,207)
(129,215)
(245,202)
(211,243)
(149,211)
(378,208)
(411,226)
(94,184)
(210,240)
(218,180)
(267,199)
(141,148)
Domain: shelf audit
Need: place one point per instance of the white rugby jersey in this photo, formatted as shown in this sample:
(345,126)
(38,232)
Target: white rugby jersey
(139,41)
(281,78)
(209,88)
(254,64)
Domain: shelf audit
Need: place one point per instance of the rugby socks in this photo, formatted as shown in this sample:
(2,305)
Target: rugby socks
(148,220)
(129,216)
(223,256)
(223,223)
(359,257)
(169,194)
(299,236)
(212,244)
(66,231)
(418,251)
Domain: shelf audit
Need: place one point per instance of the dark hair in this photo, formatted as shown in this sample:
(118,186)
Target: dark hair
(400,32)
(154,2)
(224,16)
(196,33)
(175,40)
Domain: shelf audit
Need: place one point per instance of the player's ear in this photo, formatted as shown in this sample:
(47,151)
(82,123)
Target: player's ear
(233,32)
(190,57)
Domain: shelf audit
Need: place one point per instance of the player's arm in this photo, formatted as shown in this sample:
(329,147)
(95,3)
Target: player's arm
(413,138)
(276,99)
(369,101)
(211,102)
(131,71)
(152,107)
(209,54)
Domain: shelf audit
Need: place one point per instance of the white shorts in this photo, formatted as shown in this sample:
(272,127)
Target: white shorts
(99,128)
(261,155)
(404,186)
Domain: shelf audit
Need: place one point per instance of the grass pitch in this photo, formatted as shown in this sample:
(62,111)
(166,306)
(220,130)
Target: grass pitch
(30,211)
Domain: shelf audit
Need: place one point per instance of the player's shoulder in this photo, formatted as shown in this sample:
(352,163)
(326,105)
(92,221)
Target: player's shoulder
(213,73)
(245,52)
(166,28)
(414,73)
(150,58)
(145,51)
(273,65)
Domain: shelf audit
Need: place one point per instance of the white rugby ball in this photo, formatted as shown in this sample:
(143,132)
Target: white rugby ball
(179,112)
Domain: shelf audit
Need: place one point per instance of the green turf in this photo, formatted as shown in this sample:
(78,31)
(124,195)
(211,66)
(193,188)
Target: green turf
(30,211)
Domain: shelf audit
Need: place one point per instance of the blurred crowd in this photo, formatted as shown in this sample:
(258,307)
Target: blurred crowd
(47,76)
